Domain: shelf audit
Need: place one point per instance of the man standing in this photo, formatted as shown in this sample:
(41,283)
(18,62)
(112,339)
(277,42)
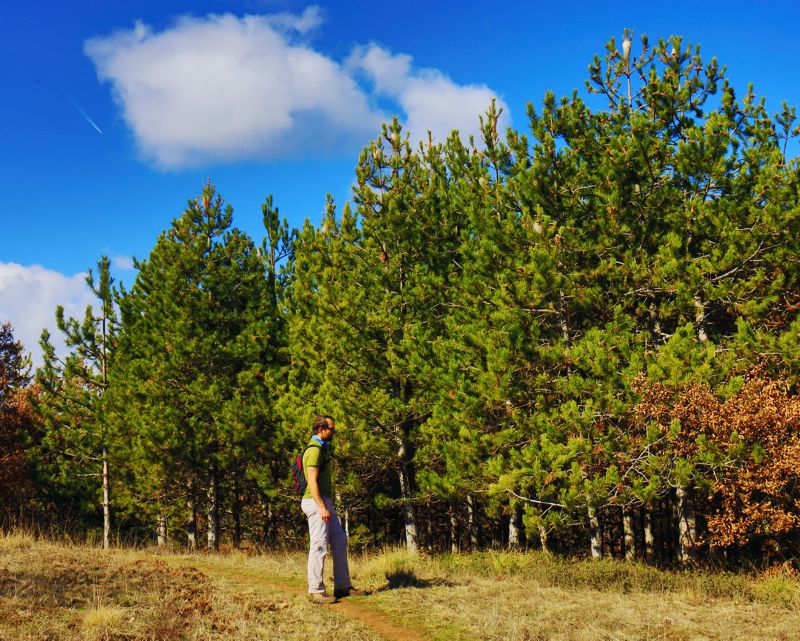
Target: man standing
(324,526)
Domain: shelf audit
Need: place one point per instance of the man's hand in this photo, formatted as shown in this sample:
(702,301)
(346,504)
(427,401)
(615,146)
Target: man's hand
(325,514)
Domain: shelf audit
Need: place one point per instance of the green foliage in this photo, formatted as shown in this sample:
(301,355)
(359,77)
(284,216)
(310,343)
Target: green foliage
(201,329)
(79,432)
(482,319)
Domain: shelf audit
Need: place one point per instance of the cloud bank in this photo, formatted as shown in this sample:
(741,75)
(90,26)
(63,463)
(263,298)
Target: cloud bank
(28,298)
(224,88)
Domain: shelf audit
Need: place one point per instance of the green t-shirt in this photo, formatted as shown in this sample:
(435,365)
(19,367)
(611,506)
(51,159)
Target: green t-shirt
(313,458)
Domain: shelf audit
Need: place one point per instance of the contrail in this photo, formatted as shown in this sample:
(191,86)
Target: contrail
(81,111)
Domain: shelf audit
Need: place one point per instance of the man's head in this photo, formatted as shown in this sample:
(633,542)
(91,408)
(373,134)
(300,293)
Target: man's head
(324,428)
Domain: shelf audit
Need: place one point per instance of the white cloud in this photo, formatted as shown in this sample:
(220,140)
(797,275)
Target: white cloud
(122,263)
(28,298)
(224,88)
(429,99)
(310,19)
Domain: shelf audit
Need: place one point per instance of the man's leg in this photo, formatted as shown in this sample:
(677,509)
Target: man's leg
(338,541)
(318,545)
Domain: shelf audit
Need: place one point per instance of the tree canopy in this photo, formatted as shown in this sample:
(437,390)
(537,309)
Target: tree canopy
(582,336)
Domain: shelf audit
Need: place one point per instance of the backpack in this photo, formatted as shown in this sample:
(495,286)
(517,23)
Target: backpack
(298,475)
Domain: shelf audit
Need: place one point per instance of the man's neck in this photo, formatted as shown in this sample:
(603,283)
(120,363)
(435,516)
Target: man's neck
(319,440)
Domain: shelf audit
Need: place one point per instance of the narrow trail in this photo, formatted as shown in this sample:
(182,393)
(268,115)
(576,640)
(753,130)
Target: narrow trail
(383,624)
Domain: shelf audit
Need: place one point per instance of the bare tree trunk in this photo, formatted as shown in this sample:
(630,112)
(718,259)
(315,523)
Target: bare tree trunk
(595,534)
(686,525)
(428,528)
(513,527)
(191,524)
(630,536)
(161,530)
(345,514)
(212,507)
(236,513)
(649,546)
(106,484)
(471,526)
(409,521)
(268,529)
(543,540)
(453,529)
(106,502)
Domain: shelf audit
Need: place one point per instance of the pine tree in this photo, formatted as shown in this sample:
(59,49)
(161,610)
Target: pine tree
(368,300)
(199,322)
(78,430)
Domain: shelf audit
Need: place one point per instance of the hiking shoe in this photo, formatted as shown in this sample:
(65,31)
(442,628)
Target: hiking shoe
(351,591)
(321,598)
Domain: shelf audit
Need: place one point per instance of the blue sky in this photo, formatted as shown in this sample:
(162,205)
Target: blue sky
(277,96)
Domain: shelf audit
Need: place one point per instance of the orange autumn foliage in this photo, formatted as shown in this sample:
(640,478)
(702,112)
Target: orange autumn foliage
(15,484)
(747,447)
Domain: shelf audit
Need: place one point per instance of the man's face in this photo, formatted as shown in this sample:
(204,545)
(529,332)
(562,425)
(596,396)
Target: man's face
(327,433)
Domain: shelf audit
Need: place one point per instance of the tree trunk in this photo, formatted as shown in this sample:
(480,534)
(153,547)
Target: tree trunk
(513,527)
(268,531)
(236,513)
(686,525)
(161,530)
(212,507)
(341,509)
(543,540)
(106,502)
(595,534)
(630,536)
(649,547)
(191,524)
(453,530)
(429,534)
(471,525)
(406,494)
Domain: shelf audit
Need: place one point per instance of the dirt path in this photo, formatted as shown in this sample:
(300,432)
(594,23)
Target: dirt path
(358,610)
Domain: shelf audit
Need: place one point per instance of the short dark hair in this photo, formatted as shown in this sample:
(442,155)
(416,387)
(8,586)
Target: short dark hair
(320,423)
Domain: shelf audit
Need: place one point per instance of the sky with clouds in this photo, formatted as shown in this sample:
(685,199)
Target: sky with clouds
(115,113)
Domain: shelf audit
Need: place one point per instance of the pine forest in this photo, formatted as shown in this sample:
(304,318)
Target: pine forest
(581,336)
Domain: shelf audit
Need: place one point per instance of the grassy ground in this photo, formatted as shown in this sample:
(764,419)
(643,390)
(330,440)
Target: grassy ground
(50,591)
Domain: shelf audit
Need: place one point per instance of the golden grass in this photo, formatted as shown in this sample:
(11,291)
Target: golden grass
(72,593)
(16,541)
(532,596)
(51,592)
(102,621)
(516,610)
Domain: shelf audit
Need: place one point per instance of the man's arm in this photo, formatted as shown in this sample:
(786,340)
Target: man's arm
(312,476)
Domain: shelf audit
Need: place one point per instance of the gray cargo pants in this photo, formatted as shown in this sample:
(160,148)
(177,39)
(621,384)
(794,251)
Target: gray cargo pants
(322,534)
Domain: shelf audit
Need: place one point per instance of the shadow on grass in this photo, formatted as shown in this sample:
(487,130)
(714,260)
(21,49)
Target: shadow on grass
(407,579)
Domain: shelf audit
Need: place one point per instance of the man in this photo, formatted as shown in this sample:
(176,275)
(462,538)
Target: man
(324,526)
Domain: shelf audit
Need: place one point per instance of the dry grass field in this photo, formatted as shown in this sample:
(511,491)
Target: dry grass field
(52,591)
